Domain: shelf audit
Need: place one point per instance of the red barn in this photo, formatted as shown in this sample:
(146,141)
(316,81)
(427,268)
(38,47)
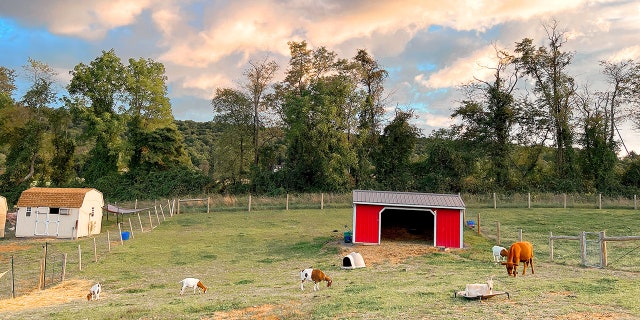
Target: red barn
(435,218)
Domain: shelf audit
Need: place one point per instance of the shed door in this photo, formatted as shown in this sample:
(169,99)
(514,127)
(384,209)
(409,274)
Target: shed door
(367,224)
(448,228)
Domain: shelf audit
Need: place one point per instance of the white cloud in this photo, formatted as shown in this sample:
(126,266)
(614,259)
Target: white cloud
(463,70)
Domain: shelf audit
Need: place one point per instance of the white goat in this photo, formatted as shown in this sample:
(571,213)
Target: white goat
(94,292)
(498,253)
(192,283)
(479,289)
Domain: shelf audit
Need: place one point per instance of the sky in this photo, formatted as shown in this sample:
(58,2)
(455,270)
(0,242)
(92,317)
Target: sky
(429,47)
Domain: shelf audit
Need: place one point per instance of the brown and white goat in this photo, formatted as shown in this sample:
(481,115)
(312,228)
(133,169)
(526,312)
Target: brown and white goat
(316,276)
(94,292)
(192,283)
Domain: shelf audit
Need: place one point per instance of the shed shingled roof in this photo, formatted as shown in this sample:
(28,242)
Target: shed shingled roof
(53,197)
(433,200)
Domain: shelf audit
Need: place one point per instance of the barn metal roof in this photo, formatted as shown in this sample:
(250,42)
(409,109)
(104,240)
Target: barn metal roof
(53,197)
(412,199)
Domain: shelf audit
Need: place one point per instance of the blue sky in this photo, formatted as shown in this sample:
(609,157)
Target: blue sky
(429,47)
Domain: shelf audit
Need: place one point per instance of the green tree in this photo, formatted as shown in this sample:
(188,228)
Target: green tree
(313,97)
(28,156)
(102,83)
(152,136)
(370,77)
(488,115)
(393,159)
(234,113)
(259,76)
(554,90)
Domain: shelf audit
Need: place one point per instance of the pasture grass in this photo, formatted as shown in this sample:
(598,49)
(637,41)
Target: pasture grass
(251,261)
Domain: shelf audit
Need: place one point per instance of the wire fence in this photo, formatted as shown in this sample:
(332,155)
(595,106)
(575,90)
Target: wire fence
(28,265)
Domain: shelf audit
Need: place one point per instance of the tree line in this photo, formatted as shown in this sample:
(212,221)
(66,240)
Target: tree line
(531,127)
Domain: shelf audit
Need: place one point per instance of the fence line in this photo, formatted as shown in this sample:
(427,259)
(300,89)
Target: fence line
(38,268)
(601,247)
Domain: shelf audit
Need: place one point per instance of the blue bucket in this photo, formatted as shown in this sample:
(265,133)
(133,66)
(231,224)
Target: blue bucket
(125,235)
(348,237)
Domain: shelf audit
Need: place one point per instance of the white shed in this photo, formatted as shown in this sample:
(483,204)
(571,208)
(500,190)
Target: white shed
(3,215)
(66,213)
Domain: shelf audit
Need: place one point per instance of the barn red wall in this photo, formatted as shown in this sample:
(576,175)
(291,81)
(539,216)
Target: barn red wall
(448,228)
(367,223)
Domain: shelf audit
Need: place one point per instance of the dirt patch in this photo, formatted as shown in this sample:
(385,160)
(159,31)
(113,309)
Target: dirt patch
(65,292)
(11,247)
(594,316)
(393,252)
(266,311)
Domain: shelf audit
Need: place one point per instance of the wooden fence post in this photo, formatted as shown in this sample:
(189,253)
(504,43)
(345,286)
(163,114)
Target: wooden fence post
(550,245)
(120,232)
(287,204)
(321,200)
(635,203)
(131,228)
(249,202)
(478,226)
(495,201)
(140,220)
(79,258)
(64,266)
(599,200)
(603,249)
(95,250)
(109,240)
(529,200)
(583,247)
(208,198)
(564,203)
(41,276)
(519,234)
(13,280)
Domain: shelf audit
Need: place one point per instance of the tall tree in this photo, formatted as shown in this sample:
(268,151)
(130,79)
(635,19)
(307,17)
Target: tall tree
(488,115)
(554,88)
(312,101)
(102,83)
(259,76)
(27,153)
(371,78)
(152,136)
(234,113)
(394,156)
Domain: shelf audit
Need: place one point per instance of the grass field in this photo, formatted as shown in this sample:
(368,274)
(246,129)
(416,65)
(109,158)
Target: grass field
(251,261)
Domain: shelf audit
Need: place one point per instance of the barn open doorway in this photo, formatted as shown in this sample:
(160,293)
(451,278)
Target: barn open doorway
(407,225)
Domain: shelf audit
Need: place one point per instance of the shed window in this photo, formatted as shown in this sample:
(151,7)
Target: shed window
(64,211)
(28,211)
(54,210)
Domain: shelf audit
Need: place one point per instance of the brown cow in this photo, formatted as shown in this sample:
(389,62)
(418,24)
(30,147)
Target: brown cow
(519,251)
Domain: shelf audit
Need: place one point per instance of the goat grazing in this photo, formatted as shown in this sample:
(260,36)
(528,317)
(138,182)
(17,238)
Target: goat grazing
(498,253)
(479,289)
(192,283)
(94,292)
(316,276)
(519,251)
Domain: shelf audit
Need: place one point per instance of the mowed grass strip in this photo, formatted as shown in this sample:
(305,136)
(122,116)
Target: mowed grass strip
(251,261)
